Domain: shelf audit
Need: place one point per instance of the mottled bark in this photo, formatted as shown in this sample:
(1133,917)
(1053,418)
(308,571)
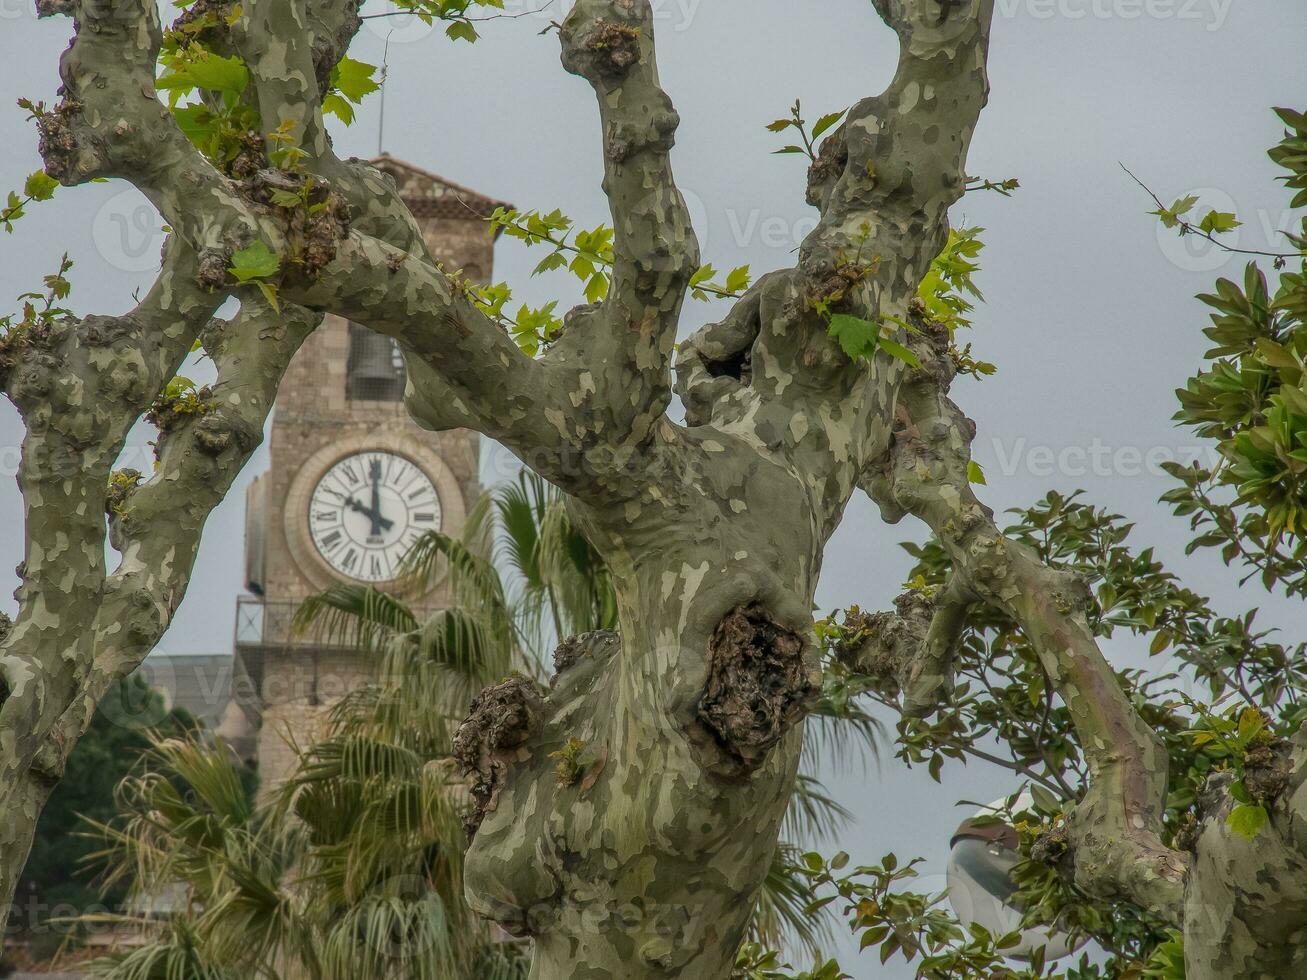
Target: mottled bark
(1114,832)
(1242,905)
(641,855)
(83,383)
(1246,904)
(627,814)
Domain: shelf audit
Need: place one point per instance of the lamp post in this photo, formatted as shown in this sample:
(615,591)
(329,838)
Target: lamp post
(981,889)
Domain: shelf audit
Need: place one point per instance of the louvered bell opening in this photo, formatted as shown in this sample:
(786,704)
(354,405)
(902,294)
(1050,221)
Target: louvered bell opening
(375,369)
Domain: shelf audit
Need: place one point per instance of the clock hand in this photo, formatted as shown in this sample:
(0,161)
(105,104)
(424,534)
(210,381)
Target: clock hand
(376,499)
(377,519)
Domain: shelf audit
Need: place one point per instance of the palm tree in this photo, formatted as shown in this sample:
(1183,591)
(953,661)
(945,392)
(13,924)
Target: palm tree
(366,881)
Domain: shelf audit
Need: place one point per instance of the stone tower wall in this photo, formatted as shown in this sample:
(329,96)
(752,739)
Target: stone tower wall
(298,681)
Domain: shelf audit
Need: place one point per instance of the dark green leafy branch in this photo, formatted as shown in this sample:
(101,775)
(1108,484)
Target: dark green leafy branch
(1252,400)
(1002,696)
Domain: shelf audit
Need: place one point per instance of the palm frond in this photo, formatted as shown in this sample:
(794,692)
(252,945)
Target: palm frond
(780,917)
(173,952)
(209,771)
(400,929)
(353,616)
(358,758)
(579,583)
(813,815)
(521,508)
(844,735)
(475,580)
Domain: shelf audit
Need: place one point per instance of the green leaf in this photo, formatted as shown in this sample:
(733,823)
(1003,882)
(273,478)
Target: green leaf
(898,351)
(1294,120)
(197,123)
(334,105)
(1247,821)
(40,186)
(826,122)
(975,473)
(1171,216)
(703,274)
(204,69)
(256,261)
(269,291)
(1045,801)
(858,338)
(462,29)
(1216,222)
(354,79)
(738,280)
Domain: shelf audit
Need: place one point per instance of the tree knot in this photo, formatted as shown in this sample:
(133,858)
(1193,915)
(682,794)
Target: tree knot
(217,431)
(608,49)
(1266,771)
(885,646)
(212,272)
(758,684)
(617,44)
(179,401)
(57,143)
(315,218)
(575,648)
(832,159)
(501,720)
(1051,847)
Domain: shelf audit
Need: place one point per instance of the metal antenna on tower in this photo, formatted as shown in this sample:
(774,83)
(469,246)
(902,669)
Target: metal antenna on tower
(381,117)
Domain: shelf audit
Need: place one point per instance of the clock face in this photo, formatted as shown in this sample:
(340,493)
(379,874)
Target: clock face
(368,510)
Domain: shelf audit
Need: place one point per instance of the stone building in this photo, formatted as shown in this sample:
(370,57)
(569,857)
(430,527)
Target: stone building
(352,482)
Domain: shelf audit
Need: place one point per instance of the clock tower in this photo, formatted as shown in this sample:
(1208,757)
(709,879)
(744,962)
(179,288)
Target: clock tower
(353,481)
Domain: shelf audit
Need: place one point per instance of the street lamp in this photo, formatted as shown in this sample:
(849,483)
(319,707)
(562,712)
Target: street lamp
(981,889)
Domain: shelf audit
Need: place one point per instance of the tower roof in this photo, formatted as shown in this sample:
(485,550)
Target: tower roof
(429,195)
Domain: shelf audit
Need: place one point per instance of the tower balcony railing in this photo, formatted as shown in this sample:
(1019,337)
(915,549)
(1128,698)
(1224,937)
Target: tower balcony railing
(269,623)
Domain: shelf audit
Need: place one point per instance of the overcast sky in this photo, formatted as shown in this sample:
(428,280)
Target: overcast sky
(1090,315)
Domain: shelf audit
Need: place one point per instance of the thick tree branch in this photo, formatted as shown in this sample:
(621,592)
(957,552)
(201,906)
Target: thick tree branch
(1114,832)
(276,43)
(465,368)
(884,181)
(157,527)
(80,385)
(619,359)
(110,123)
(915,646)
(886,178)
